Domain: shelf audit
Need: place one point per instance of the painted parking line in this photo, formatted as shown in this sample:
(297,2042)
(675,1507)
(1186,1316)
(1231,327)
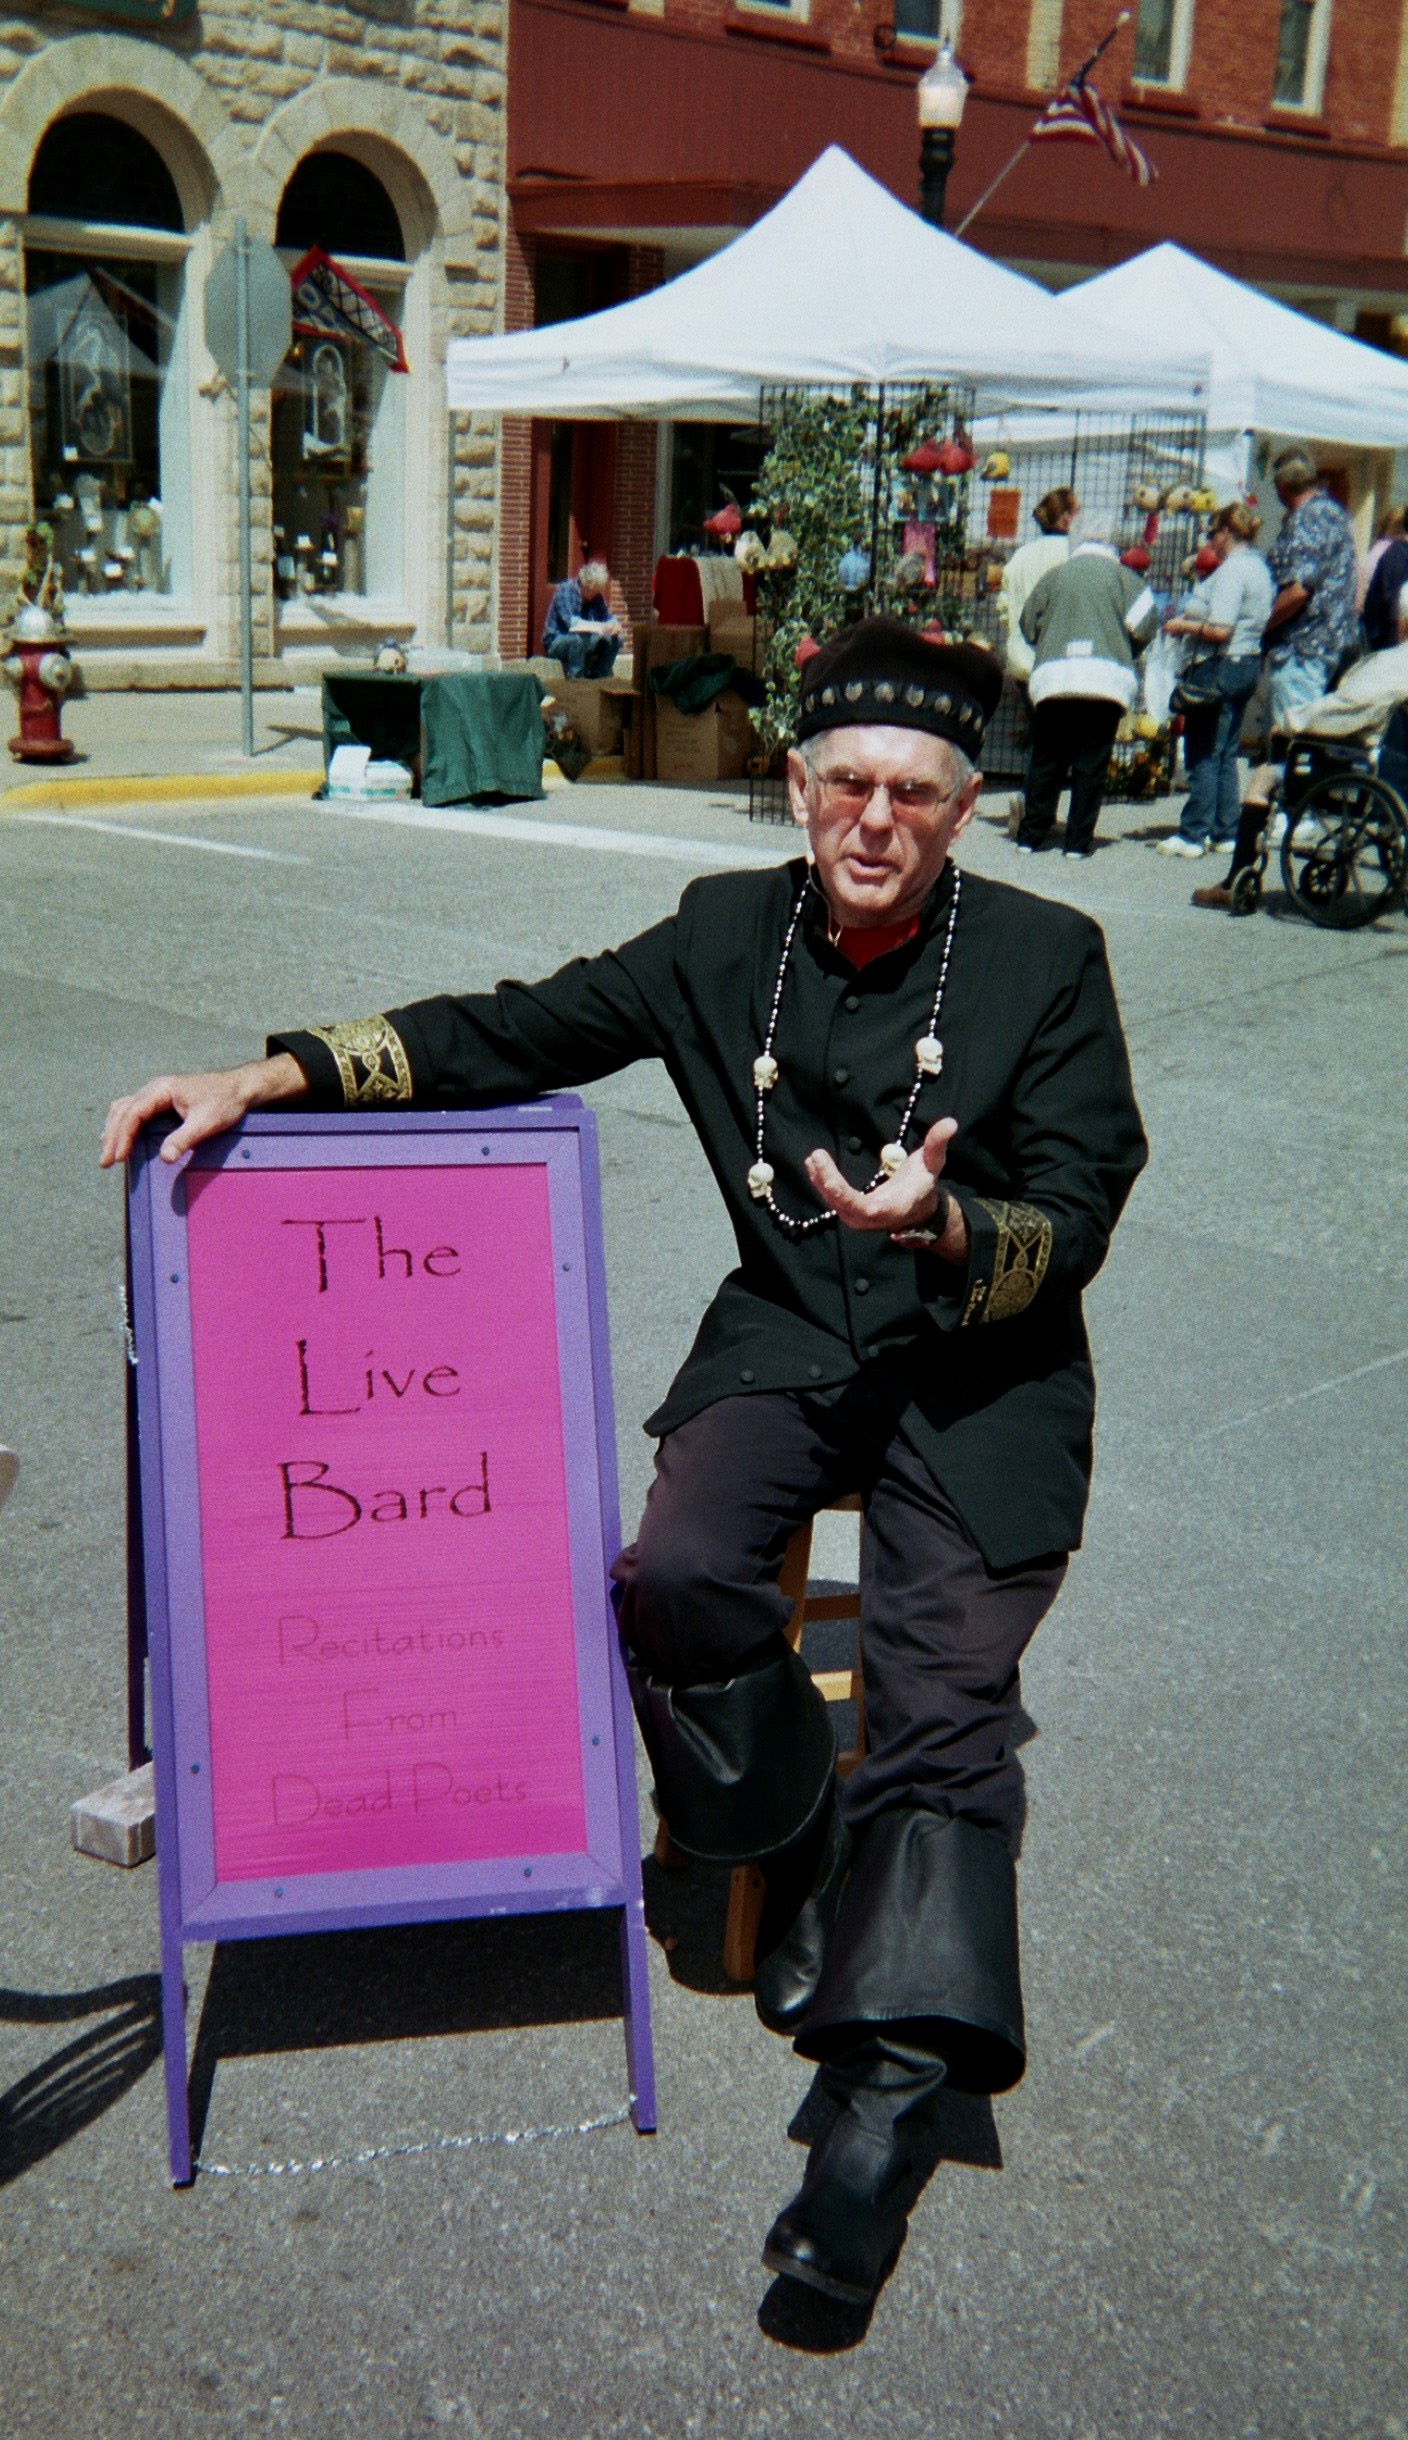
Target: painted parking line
(160,838)
(713,854)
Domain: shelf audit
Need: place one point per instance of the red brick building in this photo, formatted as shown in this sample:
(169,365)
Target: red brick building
(645,133)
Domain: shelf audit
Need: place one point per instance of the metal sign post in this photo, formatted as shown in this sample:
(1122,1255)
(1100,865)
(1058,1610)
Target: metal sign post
(248,327)
(242,444)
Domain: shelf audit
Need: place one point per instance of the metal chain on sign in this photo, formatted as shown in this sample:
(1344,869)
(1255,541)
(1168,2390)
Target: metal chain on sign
(410,2151)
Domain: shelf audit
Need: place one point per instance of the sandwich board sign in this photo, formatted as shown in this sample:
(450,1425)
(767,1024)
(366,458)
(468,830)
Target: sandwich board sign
(376,1506)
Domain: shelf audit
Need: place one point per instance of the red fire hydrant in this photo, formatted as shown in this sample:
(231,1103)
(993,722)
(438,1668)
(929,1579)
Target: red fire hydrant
(41,673)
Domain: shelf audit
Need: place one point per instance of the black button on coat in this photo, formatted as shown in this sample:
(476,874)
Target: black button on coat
(989,1367)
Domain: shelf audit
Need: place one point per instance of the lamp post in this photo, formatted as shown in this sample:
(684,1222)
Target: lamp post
(940,96)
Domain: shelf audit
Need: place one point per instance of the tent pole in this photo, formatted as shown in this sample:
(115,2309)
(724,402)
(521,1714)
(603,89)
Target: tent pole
(449,529)
(875,493)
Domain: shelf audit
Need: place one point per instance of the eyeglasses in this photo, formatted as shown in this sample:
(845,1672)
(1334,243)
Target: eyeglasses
(851,791)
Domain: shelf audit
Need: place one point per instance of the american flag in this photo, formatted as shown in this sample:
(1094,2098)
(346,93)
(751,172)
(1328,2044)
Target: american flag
(1078,116)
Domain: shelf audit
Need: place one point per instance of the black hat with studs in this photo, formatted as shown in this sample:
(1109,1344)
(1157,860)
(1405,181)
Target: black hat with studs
(882,672)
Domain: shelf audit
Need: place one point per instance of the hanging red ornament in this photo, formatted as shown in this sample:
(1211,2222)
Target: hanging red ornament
(926,459)
(956,456)
(805,651)
(725,523)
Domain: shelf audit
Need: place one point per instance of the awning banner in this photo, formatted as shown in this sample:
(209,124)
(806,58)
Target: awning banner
(328,301)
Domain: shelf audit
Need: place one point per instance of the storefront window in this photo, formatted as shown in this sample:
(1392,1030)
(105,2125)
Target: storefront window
(105,332)
(709,464)
(339,437)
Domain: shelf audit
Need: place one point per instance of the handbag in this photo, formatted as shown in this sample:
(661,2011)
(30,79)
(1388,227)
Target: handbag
(1200,688)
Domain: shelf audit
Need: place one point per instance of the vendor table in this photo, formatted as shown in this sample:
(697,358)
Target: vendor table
(471,735)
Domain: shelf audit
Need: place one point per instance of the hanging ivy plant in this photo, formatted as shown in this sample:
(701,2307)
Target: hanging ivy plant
(831,484)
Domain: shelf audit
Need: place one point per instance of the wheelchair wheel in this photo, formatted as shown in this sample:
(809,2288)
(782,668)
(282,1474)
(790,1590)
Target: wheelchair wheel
(1344,858)
(1246,891)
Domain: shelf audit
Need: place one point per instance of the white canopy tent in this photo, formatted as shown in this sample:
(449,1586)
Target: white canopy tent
(1274,370)
(839,283)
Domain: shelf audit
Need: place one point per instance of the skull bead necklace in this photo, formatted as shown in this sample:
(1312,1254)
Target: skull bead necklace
(928,1061)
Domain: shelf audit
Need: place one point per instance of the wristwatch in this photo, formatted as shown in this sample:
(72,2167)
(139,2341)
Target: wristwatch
(933,1232)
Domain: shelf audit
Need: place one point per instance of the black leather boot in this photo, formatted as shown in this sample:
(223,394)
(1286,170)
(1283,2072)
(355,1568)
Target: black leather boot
(842,2233)
(927,1934)
(804,1886)
(743,1767)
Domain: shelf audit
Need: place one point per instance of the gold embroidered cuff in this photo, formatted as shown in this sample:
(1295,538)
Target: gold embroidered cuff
(371,1060)
(1018,1262)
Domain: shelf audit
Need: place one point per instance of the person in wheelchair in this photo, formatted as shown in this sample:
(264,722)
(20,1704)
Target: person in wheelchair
(1358,731)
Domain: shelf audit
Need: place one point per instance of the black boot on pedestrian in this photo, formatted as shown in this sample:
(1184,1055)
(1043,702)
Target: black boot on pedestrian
(843,2232)
(802,1901)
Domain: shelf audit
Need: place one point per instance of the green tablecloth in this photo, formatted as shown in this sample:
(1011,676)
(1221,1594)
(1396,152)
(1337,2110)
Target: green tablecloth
(478,733)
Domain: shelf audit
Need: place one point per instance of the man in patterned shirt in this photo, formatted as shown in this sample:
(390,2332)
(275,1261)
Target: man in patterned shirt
(1314,621)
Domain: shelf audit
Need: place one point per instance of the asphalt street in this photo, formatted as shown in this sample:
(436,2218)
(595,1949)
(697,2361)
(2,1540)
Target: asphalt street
(1190,2217)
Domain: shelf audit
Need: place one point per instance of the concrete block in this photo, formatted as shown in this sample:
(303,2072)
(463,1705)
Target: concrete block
(117,1823)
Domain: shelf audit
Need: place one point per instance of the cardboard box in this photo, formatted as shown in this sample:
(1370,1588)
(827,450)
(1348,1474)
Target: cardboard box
(651,648)
(593,705)
(692,749)
(733,629)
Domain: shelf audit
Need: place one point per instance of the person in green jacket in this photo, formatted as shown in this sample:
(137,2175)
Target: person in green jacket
(1086,621)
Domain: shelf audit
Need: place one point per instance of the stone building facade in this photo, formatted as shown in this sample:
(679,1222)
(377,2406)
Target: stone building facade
(131,138)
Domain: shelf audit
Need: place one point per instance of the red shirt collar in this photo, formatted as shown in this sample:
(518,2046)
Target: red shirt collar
(859,944)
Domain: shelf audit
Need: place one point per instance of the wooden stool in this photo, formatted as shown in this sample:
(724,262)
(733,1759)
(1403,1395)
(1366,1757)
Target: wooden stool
(746,1882)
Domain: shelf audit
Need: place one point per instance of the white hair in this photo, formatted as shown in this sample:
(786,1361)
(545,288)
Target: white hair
(595,575)
(1090,526)
(960,764)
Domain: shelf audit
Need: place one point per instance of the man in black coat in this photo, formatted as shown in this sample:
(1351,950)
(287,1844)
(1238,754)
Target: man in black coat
(912,1089)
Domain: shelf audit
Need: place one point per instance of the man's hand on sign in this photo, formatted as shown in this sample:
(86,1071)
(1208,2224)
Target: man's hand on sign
(906,1201)
(207,1105)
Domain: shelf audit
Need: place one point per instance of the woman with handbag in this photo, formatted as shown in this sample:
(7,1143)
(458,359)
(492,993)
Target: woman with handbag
(1223,620)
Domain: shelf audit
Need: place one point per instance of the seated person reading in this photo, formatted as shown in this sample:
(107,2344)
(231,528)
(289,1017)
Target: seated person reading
(580,630)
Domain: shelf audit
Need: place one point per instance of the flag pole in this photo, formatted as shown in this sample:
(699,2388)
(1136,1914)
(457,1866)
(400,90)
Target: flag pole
(1077,78)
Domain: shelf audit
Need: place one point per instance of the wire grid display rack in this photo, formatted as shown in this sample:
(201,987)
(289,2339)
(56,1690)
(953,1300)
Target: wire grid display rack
(937,542)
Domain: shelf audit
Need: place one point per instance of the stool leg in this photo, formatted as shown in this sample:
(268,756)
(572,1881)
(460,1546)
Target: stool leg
(745,1906)
(667,1854)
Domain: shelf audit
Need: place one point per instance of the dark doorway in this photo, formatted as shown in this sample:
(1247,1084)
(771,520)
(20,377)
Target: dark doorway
(573,500)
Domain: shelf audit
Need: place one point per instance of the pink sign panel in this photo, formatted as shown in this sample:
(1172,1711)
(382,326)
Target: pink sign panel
(390,1651)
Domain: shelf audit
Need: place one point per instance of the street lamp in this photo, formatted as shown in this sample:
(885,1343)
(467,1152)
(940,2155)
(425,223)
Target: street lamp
(940,96)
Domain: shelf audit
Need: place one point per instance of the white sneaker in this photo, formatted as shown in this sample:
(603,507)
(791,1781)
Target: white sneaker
(1024,850)
(1177,846)
(1308,834)
(1277,831)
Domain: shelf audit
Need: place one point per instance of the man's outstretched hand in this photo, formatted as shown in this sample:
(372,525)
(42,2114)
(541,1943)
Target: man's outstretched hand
(906,1201)
(206,1105)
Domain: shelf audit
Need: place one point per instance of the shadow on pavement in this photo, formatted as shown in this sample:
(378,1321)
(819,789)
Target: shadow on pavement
(73,2087)
(685,1910)
(419,1979)
(797,2317)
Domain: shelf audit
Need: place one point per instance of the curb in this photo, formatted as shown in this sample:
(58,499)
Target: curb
(163,788)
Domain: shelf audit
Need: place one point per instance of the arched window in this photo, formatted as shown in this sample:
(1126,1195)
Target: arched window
(335,202)
(92,167)
(338,435)
(109,443)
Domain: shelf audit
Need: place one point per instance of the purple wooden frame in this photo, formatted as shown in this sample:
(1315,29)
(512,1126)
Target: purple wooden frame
(166,1607)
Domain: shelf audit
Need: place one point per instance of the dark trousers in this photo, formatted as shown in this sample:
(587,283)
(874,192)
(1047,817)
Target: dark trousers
(942,1634)
(1071,739)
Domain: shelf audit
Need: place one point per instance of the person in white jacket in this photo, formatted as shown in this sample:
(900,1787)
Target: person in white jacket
(1086,621)
(1055,513)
